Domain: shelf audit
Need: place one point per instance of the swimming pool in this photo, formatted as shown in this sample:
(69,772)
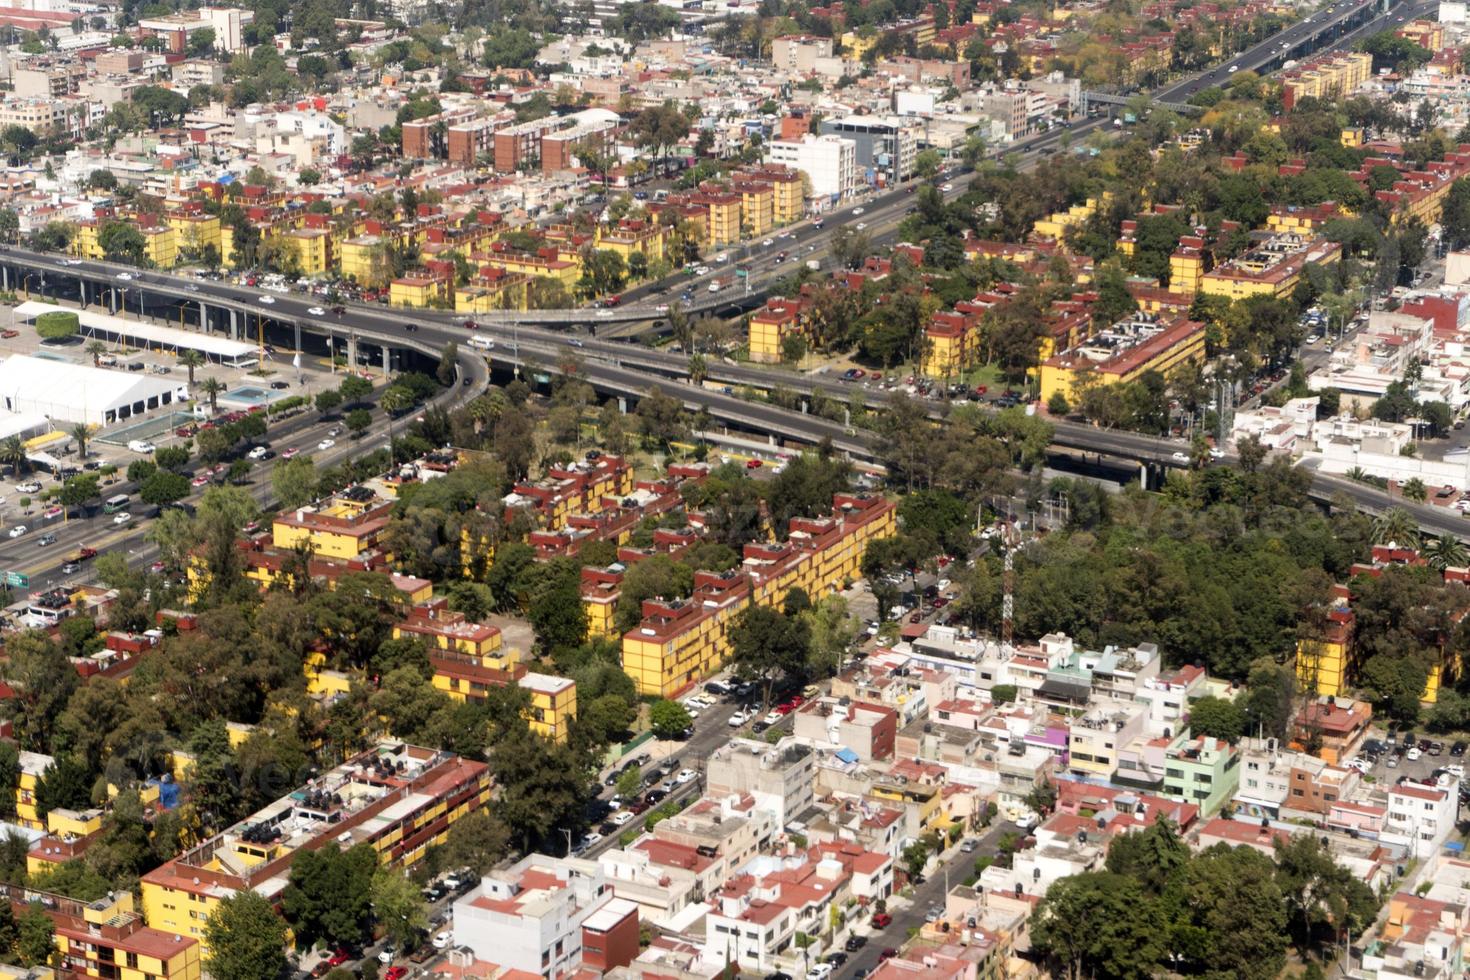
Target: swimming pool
(249,395)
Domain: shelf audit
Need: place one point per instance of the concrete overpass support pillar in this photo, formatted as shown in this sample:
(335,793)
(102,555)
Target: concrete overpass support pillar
(82,288)
(352,352)
(5,271)
(387,360)
(234,325)
(298,338)
(805,406)
(1143,475)
(770,438)
(622,405)
(203,317)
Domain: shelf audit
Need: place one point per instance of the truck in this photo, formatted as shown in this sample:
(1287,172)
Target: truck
(813,264)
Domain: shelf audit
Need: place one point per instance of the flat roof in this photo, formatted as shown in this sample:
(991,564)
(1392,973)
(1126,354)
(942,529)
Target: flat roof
(161,336)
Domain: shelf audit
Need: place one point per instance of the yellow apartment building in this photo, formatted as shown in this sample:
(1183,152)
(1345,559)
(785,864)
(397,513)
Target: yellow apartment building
(313,249)
(1330,77)
(855,46)
(465,677)
(723,214)
(419,291)
(1271,268)
(553,704)
(1323,666)
(635,236)
(487,294)
(1186,271)
(339,527)
(161,245)
(679,643)
(397,799)
(196,231)
(362,259)
(321,680)
(951,344)
(565,271)
(1055,226)
(600,588)
(32,766)
(771,325)
(1123,353)
(444,629)
(107,938)
(757,206)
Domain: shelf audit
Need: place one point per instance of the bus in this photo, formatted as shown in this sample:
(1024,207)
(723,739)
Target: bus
(115,504)
(482,342)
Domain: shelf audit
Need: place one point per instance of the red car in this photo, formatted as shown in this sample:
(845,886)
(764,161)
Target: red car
(753,464)
(783,709)
(796,701)
(395,973)
(470,324)
(882,920)
(888,954)
(339,957)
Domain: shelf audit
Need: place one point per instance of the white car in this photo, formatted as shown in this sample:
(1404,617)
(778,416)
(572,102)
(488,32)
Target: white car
(387,954)
(857,210)
(946,187)
(1216,452)
(592,838)
(267,300)
(123,518)
(125,276)
(28,487)
(819,972)
(620,818)
(861,225)
(1179,457)
(686,776)
(1457,771)
(18,530)
(768,243)
(441,941)
(317,311)
(738,718)
(1413,754)
(1233,69)
(1362,765)
(258,452)
(772,717)
(661,308)
(723,257)
(326,444)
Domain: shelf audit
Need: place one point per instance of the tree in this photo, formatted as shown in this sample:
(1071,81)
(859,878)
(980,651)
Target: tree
(1217,718)
(354,389)
(56,325)
(669,719)
(477,841)
(212,387)
(43,679)
(448,364)
(1099,924)
(328,401)
(358,421)
(65,785)
(191,359)
(765,644)
(35,943)
(630,782)
(398,906)
(1445,551)
(247,940)
(294,482)
(1396,526)
(163,487)
(328,895)
(543,785)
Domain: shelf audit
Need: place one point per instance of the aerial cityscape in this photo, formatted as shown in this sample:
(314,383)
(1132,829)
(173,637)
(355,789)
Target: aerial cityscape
(745,490)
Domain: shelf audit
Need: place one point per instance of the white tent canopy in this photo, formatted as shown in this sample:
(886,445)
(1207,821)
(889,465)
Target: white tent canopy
(60,390)
(230,352)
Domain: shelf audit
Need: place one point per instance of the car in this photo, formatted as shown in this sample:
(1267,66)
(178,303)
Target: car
(326,444)
(861,225)
(1360,764)
(71,568)
(1458,771)
(661,308)
(654,797)
(386,954)
(591,838)
(1458,749)
(258,452)
(685,776)
(969,845)
(604,314)
(759,727)
(18,530)
(125,276)
(290,453)
(946,187)
(267,300)
(620,818)
(855,943)
(738,718)
(122,518)
(395,973)
(441,941)
(857,210)
(1435,748)
(31,486)
(819,972)
(753,464)
(888,953)
(342,955)
(1413,754)
(778,975)
(317,311)
(1216,452)
(1393,761)
(836,958)
(199,480)
(773,717)
(933,914)
(882,920)
(1233,69)
(1179,457)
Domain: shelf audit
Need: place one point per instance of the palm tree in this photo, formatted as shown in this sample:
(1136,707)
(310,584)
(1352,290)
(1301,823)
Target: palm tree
(81,432)
(1446,551)
(1414,489)
(1396,526)
(13,454)
(96,348)
(1357,474)
(191,359)
(211,388)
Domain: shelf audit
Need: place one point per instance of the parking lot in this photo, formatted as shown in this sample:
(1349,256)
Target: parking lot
(1429,756)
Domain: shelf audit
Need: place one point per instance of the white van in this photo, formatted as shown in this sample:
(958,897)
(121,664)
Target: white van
(141,446)
(482,342)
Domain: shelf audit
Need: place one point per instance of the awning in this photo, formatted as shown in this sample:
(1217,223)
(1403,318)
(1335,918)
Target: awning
(847,755)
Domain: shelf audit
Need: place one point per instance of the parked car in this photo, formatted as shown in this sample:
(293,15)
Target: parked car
(882,920)
(855,943)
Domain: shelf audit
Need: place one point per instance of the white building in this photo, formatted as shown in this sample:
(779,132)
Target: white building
(1419,818)
(74,393)
(781,777)
(830,163)
(530,917)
